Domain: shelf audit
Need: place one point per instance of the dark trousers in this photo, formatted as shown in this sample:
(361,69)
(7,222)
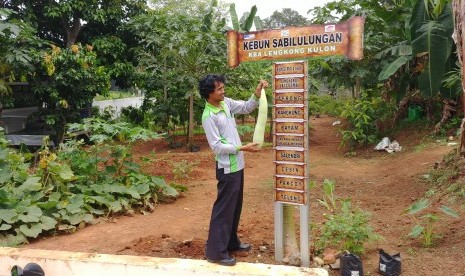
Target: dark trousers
(226,212)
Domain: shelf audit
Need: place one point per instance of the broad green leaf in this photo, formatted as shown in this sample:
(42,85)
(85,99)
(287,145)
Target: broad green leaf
(258,23)
(142,188)
(133,192)
(102,200)
(434,41)
(115,206)
(249,20)
(48,223)
(416,231)
(31,184)
(89,218)
(65,172)
(7,215)
(32,231)
(5,174)
(74,207)
(31,214)
(391,68)
(47,205)
(4,227)
(234,18)
(418,18)
(328,187)
(75,219)
(12,240)
(417,207)
(449,211)
(167,189)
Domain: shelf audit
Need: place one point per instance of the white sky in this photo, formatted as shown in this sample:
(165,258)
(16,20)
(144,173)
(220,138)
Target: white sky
(265,8)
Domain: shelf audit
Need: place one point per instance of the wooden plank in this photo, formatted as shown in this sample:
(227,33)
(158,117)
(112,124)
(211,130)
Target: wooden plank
(290,183)
(283,140)
(290,127)
(290,97)
(289,68)
(291,197)
(290,112)
(297,155)
(295,82)
(290,169)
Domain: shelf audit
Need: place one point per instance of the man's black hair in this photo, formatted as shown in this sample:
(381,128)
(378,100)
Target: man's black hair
(207,84)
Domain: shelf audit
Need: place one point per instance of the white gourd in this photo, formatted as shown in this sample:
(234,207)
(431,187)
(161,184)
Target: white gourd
(259,132)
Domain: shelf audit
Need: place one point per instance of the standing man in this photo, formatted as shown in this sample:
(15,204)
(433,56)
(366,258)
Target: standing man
(220,128)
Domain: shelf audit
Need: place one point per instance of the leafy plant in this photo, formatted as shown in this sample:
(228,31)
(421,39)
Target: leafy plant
(363,115)
(67,188)
(345,227)
(425,224)
(329,199)
(183,168)
(325,105)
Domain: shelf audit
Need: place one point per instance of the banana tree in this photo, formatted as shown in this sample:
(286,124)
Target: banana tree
(425,54)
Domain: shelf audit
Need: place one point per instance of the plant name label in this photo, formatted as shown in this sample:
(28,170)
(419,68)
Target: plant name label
(297,82)
(290,112)
(283,140)
(290,97)
(290,155)
(291,197)
(291,169)
(289,127)
(290,183)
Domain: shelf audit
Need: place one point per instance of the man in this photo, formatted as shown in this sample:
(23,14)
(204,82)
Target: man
(220,128)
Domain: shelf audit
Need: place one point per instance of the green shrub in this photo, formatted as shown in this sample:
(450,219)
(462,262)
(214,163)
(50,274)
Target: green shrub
(364,116)
(67,188)
(325,105)
(345,227)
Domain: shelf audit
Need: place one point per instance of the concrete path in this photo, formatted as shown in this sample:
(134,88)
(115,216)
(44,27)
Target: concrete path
(64,263)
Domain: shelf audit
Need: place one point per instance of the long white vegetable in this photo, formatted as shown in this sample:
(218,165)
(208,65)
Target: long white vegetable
(259,132)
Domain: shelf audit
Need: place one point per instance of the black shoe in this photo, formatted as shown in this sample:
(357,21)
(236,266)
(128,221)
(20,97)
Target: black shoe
(33,269)
(243,247)
(227,261)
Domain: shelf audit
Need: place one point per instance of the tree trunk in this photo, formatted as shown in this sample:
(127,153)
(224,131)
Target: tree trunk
(72,31)
(448,109)
(190,135)
(165,83)
(458,7)
(358,84)
(291,248)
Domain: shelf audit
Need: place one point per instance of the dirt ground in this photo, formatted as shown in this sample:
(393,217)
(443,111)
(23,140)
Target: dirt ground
(380,183)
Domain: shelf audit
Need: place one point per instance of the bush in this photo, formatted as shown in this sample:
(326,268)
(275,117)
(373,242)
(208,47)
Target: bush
(364,116)
(325,105)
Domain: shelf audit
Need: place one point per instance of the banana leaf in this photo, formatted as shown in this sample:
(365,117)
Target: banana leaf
(433,40)
(234,19)
(392,67)
(249,21)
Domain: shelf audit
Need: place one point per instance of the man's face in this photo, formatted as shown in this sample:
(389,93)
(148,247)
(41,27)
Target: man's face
(218,94)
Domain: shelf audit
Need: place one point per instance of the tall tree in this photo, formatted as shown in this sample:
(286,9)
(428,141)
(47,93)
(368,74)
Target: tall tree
(18,42)
(64,21)
(285,18)
(177,49)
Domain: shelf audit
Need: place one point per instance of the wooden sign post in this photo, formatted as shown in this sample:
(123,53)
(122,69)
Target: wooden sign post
(290,142)
(290,110)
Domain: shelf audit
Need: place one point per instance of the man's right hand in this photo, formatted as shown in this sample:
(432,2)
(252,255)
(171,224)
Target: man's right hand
(251,147)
